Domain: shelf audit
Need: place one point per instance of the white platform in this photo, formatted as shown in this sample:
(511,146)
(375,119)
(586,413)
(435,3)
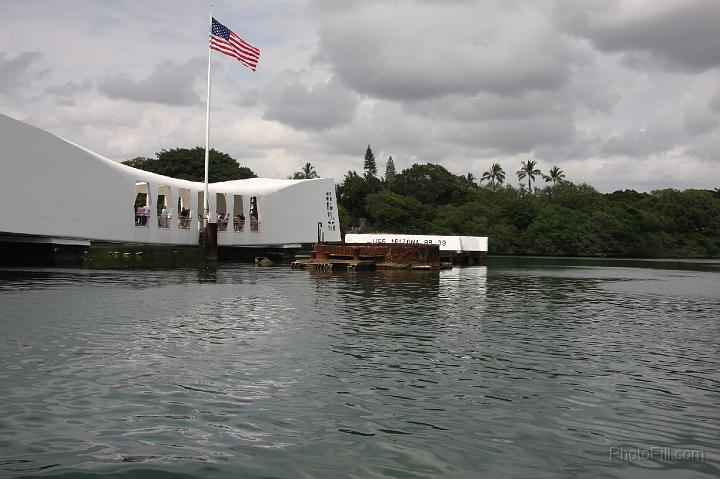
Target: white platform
(448,244)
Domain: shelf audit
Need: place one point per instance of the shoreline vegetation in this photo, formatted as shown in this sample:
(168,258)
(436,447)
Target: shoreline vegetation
(545,215)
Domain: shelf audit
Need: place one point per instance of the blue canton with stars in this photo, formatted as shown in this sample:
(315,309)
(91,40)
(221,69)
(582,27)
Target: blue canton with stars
(220,30)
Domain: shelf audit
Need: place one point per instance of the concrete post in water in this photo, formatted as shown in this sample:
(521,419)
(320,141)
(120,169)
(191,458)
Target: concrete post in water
(211,247)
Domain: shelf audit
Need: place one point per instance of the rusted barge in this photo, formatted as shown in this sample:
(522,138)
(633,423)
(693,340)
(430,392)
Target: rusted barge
(467,250)
(369,256)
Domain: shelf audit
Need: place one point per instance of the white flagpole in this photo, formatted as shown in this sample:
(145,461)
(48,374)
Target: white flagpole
(207,131)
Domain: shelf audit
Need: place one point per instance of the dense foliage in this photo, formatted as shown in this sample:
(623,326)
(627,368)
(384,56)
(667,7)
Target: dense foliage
(562,218)
(189,164)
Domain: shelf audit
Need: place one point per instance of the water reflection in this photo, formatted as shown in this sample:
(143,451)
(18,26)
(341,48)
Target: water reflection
(399,282)
(207,272)
(374,304)
(539,262)
(461,281)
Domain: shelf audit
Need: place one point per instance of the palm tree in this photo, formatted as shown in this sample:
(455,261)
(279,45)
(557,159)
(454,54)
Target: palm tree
(528,171)
(556,175)
(495,176)
(307,172)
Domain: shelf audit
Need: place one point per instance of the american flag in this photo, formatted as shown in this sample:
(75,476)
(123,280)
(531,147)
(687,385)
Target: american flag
(225,41)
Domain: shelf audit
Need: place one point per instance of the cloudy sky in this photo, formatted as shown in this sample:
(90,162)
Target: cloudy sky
(618,93)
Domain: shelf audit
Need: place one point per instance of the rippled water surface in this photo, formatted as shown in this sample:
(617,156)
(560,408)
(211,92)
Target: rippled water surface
(523,368)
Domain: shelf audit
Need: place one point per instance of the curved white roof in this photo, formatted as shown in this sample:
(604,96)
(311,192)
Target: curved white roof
(260,186)
(248,186)
(52,187)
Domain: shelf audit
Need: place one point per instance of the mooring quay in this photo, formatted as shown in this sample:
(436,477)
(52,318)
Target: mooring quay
(453,249)
(357,257)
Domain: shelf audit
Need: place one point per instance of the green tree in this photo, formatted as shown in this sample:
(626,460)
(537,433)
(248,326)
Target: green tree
(390,169)
(468,219)
(495,175)
(430,184)
(557,230)
(141,163)
(396,213)
(504,238)
(189,164)
(306,173)
(369,166)
(528,170)
(345,220)
(520,212)
(556,175)
(570,195)
(353,190)
(689,211)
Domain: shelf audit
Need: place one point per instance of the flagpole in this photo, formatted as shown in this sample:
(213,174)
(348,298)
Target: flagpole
(207,131)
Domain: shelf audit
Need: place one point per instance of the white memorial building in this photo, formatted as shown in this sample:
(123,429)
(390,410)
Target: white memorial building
(53,190)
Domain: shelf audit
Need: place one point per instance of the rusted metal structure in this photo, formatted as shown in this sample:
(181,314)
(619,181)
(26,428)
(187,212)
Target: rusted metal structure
(354,257)
(454,249)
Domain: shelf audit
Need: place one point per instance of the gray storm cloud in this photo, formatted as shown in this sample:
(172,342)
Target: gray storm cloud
(411,51)
(16,72)
(170,83)
(678,35)
(317,107)
(70,88)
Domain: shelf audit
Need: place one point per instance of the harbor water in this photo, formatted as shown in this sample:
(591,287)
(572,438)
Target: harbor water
(521,368)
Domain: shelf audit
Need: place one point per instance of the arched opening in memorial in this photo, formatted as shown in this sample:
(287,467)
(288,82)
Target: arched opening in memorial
(239,213)
(201,209)
(141,206)
(164,206)
(254,214)
(221,210)
(184,209)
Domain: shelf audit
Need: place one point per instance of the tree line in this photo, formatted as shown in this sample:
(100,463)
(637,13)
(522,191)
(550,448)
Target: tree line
(557,217)
(189,164)
(546,214)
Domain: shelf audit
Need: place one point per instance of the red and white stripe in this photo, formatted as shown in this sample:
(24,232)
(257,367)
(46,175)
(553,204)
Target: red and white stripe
(238,48)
